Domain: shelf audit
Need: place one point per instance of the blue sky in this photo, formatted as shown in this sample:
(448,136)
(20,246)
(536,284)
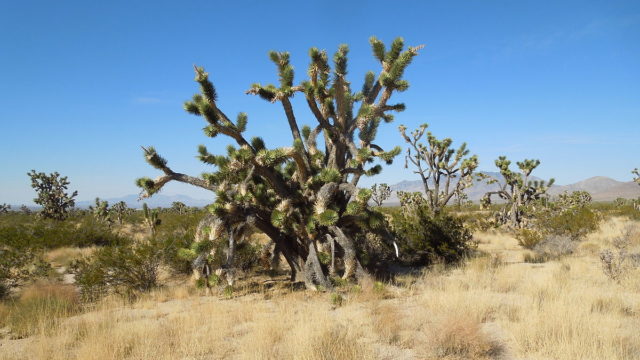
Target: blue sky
(83,84)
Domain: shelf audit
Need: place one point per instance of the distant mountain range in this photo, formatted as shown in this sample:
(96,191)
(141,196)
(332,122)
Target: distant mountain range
(158,200)
(601,188)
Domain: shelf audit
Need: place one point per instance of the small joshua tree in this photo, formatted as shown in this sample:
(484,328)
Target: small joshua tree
(52,194)
(574,200)
(120,209)
(636,172)
(178,207)
(461,198)
(101,211)
(4,208)
(517,190)
(151,219)
(444,171)
(380,193)
(620,202)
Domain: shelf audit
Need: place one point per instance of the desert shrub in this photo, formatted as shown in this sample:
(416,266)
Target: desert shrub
(528,238)
(424,238)
(554,247)
(459,337)
(19,265)
(617,263)
(247,256)
(127,269)
(534,258)
(39,308)
(48,234)
(573,223)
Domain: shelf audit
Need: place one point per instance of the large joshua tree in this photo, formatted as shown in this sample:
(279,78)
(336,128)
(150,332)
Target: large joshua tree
(444,171)
(516,190)
(304,194)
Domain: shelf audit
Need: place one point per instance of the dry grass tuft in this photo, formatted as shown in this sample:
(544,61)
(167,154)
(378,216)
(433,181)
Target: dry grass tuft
(39,308)
(64,256)
(458,337)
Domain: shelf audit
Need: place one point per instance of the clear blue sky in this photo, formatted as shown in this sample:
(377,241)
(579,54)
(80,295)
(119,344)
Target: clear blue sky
(84,83)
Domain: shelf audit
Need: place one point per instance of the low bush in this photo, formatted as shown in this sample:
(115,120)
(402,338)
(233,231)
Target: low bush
(77,232)
(528,238)
(127,270)
(572,223)
(424,238)
(19,265)
(554,247)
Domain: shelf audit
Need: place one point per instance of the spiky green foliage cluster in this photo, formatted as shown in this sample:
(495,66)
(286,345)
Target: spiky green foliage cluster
(52,194)
(444,171)
(516,190)
(636,178)
(301,194)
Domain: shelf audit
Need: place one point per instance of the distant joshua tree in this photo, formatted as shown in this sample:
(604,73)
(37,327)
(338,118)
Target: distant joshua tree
(517,191)
(438,165)
(120,209)
(380,193)
(178,207)
(636,178)
(4,208)
(101,211)
(52,194)
(151,219)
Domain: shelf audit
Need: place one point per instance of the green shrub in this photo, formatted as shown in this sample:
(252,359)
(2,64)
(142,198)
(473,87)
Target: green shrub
(573,223)
(127,269)
(19,265)
(247,256)
(424,238)
(49,234)
(336,299)
(527,238)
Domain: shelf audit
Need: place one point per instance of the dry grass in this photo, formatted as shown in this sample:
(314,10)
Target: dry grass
(494,307)
(64,256)
(39,308)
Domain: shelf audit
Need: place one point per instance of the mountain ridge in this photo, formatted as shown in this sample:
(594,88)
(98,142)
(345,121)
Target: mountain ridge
(601,188)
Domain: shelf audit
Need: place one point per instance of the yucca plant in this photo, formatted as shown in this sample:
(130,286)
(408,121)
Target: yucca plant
(305,194)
